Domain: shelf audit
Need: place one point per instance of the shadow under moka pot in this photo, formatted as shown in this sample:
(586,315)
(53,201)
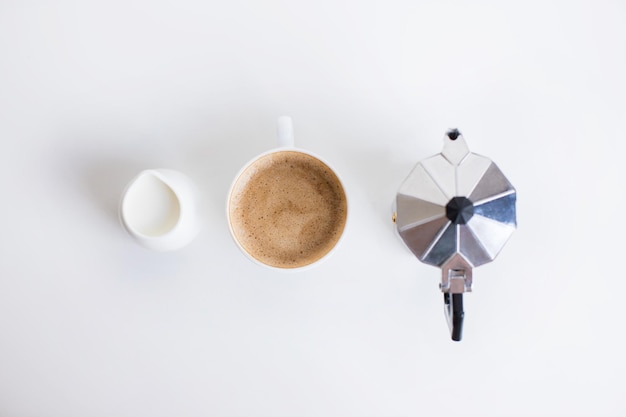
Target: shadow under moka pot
(456,211)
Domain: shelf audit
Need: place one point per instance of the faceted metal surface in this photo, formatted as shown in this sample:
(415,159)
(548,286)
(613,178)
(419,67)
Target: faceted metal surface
(470,172)
(420,184)
(491,234)
(441,181)
(493,183)
(471,246)
(443,174)
(420,238)
(502,209)
(443,247)
(416,211)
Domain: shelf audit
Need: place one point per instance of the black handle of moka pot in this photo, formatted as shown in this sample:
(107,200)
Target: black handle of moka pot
(454,314)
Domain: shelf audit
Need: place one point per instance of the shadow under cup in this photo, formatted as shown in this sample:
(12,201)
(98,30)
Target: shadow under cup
(287,209)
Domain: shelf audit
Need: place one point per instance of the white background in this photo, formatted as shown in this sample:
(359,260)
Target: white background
(92,324)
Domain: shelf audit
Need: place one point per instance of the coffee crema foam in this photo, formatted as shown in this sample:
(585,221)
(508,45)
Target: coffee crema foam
(288,209)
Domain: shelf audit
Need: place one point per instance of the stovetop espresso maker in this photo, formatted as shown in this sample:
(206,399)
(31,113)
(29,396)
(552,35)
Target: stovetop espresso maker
(456,211)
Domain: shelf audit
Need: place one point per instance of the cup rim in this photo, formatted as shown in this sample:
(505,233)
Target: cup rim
(248,165)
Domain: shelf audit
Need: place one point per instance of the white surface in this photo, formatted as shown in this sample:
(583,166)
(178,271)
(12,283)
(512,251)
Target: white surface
(92,324)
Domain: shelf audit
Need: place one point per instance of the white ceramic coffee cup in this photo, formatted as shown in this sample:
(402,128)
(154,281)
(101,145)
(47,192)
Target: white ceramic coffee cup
(159,209)
(285,143)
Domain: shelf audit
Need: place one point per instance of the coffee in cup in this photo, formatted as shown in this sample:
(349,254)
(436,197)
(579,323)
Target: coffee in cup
(287,208)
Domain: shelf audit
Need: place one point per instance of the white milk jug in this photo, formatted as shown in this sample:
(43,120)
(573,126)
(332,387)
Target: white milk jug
(159,209)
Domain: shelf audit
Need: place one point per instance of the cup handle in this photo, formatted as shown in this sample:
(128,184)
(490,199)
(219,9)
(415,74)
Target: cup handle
(285,132)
